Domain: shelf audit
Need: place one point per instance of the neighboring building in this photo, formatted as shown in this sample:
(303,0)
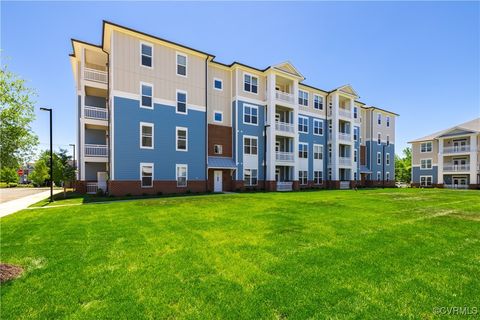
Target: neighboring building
(156,116)
(449,158)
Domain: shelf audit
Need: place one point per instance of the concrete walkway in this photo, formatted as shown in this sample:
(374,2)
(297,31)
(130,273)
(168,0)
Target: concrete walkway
(24,200)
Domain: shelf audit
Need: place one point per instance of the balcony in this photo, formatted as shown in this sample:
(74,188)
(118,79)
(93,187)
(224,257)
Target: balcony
(449,167)
(344,113)
(95,75)
(458,149)
(96,150)
(92,187)
(344,136)
(284,96)
(345,161)
(284,127)
(95,113)
(284,156)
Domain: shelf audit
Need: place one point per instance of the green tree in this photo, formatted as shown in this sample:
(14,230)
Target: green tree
(403,166)
(40,173)
(66,171)
(8,175)
(16,114)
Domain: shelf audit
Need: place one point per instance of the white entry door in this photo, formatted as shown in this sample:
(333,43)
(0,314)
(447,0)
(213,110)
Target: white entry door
(102,181)
(217,177)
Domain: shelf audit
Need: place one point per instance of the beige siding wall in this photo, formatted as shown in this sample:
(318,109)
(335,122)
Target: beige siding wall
(417,155)
(262,80)
(363,125)
(128,73)
(220,100)
(310,108)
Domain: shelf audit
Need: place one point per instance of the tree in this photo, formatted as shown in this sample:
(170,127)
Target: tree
(66,171)
(40,173)
(8,175)
(403,166)
(16,114)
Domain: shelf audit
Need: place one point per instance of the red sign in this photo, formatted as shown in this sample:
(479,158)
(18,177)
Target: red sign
(20,172)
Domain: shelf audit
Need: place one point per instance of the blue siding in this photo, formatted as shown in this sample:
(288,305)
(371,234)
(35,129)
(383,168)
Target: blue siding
(372,148)
(127,152)
(417,172)
(312,139)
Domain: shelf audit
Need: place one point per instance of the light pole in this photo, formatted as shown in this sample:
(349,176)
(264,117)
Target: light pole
(74,163)
(51,153)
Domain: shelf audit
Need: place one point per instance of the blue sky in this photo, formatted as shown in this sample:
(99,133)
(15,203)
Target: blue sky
(418,59)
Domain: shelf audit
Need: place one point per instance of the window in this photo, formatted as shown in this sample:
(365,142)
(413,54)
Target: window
(302,177)
(387,159)
(317,127)
(317,152)
(355,155)
(318,102)
(379,138)
(181,175)
(218,84)
(425,164)
(250,177)
(355,112)
(379,175)
(426,181)
(388,121)
(303,150)
(250,83)
(387,176)
(147,94)
(181,102)
(379,158)
(302,124)
(181,65)
(317,177)
(303,98)
(355,175)
(355,134)
(426,147)
(218,116)
(388,140)
(250,145)
(146,56)
(250,114)
(379,119)
(146,175)
(182,139)
(146,135)
(218,149)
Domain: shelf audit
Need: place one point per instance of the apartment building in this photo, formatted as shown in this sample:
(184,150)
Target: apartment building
(449,158)
(156,116)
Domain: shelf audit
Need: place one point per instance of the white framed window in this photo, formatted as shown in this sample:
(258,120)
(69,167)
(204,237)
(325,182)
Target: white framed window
(379,118)
(387,176)
(217,149)
(355,175)
(388,140)
(317,102)
(426,147)
(181,102)
(146,175)
(317,177)
(388,121)
(317,152)
(355,112)
(355,155)
(250,145)
(181,175)
(302,124)
(303,150)
(182,62)
(250,177)
(426,181)
(379,176)
(387,159)
(250,114)
(250,83)
(303,98)
(146,135)
(425,164)
(218,84)
(181,138)
(355,134)
(218,116)
(379,138)
(146,91)
(379,158)
(317,127)
(303,177)
(146,54)
(329,173)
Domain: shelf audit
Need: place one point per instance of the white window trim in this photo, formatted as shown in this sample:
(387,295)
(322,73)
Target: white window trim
(355,155)
(243,115)
(145,164)
(321,127)
(220,148)
(426,168)
(320,146)
(252,76)
(186,174)
(387,159)
(147,124)
(176,64)
(304,177)
(306,144)
(176,101)
(308,98)
(151,46)
(321,97)
(304,132)
(431,149)
(243,144)
(379,157)
(426,185)
(379,176)
(387,176)
(176,139)
(221,81)
(141,95)
(355,136)
(379,141)
(250,184)
(379,116)
(215,112)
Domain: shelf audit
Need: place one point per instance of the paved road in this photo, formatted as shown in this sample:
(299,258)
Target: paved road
(16,199)
(9,194)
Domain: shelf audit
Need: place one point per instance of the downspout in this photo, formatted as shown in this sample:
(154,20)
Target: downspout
(206,123)
(265,115)
(109,122)
(326,137)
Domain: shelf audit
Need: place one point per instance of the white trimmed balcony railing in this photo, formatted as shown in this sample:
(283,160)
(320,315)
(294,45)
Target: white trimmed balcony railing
(96,150)
(284,96)
(95,113)
(344,136)
(345,161)
(458,149)
(456,186)
(284,127)
(344,113)
(456,167)
(284,186)
(284,156)
(95,75)
(92,187)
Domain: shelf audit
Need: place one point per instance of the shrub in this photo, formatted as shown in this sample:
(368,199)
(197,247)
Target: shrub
(159,193)
(8,175)
(100,192)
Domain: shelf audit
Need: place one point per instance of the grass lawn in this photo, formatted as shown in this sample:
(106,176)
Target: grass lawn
(377,254)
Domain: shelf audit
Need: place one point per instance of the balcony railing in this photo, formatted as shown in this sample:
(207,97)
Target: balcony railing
(284,127)
(95,113)
(92,187)
(284,186)
(285,156)
(344,136)
(95,75)
(96,150)
(456,186)
(457,149)
(456,167)
(284,96)
(344,113)
(344,161)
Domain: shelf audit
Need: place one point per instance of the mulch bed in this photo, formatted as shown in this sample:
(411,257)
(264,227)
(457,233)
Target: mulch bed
(9,272)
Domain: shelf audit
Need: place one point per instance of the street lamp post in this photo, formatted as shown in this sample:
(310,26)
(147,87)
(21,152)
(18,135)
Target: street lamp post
(51,153)
(74,162)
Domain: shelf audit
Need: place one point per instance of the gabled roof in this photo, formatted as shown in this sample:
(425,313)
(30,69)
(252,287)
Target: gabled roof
(348,89)
(288,68)
(472,126)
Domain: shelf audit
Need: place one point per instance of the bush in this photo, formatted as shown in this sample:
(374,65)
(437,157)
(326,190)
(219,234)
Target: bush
(100,192)
(159,193)
(8,175)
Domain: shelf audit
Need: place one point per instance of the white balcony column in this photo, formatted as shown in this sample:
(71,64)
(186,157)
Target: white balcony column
(440,161)
(473,159)
(270,120)
(334,136)
(295,130)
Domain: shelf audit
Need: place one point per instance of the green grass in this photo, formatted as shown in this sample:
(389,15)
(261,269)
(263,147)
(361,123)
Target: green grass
(375,254)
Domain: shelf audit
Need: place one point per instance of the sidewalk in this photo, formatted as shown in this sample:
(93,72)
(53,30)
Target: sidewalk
(13,206)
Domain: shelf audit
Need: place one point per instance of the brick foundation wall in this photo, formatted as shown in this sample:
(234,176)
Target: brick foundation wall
(379,184)
(226,182)
(312,185)
(122,188)
(474,186)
